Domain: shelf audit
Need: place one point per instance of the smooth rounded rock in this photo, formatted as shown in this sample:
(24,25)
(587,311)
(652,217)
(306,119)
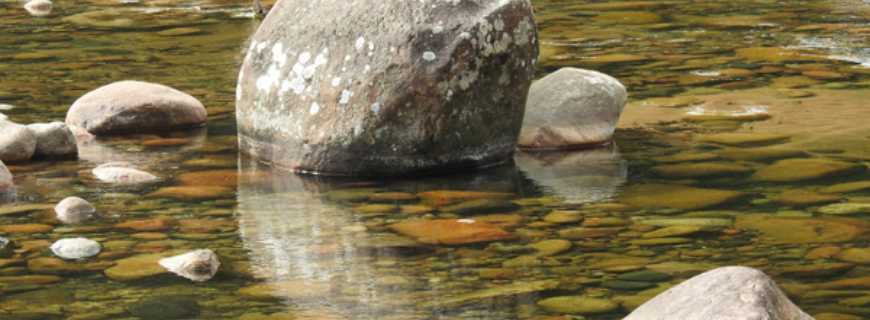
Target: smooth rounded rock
(572,108)
(16,142)
(729,293)
(54,140)
(386,88)
(74,210)
(199,265)
(793,170)
(75,248)
(135,107)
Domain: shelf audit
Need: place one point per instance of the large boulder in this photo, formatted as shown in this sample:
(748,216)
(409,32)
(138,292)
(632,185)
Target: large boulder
(17,143)
(386,87)
(54,140)
(572,108)
(135,107)
(729,293)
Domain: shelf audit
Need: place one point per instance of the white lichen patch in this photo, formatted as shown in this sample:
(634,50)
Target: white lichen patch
(429,56)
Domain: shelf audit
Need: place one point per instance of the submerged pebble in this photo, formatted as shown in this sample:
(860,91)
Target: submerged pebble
(75,248)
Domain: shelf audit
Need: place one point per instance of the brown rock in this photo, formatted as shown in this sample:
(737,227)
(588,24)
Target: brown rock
(450,231)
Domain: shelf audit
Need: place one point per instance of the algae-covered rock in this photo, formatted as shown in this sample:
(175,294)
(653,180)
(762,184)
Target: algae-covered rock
(581,305)
(677,196)
(787,230)
(793,170)
(744,139)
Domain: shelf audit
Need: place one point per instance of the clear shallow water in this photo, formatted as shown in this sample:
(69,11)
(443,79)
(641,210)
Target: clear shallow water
(307,248)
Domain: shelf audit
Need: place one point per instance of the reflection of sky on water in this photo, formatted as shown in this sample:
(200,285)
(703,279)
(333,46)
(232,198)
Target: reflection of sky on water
(840,48)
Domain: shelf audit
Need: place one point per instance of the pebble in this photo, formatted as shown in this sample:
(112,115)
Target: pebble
(74,210)
(199,265)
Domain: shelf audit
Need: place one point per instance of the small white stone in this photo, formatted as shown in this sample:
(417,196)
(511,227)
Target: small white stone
(199,265)
(429,56)
(74,210)
(75,248)
(38,8)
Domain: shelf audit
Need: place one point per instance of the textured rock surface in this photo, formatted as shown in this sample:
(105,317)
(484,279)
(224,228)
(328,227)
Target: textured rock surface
(729,293)
(74,210)
(387,87)
(572,108)
(16,142)
(53,140)
(135,107)
(199,265)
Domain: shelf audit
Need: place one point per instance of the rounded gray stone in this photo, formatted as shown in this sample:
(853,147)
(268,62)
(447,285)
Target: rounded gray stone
(374,88)
(572,108)
(135,107)
(17,143)
(54,140)
(75,248)
(74,210)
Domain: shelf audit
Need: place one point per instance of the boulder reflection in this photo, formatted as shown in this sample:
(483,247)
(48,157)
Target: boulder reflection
(312,246)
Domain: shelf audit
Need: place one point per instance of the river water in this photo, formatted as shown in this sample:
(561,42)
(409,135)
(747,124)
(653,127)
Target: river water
(745,142)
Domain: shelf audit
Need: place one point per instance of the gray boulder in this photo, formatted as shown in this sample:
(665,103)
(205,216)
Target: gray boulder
(17,143)
(386,87)
(135,107)
(572,108)
(729,293)
(54,140)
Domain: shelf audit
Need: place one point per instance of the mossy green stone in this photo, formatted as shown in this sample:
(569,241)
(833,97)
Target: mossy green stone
(794,170)
(578,305)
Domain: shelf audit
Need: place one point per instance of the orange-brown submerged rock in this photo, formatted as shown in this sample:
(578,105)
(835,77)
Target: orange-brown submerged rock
(450,231)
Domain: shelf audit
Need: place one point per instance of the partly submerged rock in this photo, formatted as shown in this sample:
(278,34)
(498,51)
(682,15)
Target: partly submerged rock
(199,265)
(122,173)
(135,107)
(16,142)
(729,293)
(54,140)
(75,248)
(450,231)
(386,87)
(74,210)
(572,108)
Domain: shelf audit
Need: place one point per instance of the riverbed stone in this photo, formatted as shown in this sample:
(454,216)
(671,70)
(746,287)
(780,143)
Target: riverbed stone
(74,210)
(744,139)
(847,187)
(7,248)
(787,230)
(480,206)
(165,307)
(137,267)
(581,305)
(701,170)
(551,247)
(738,292)
(135,107)
(386,88)
(298,289)
(762,153)
(54,140)
(845,209)
(192,192)
(804,198)
(122,173)
(794,170)
(17,143)
(199,265)
(450,231)
(677,196)
(75,248)
(855,255)
(572,108)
